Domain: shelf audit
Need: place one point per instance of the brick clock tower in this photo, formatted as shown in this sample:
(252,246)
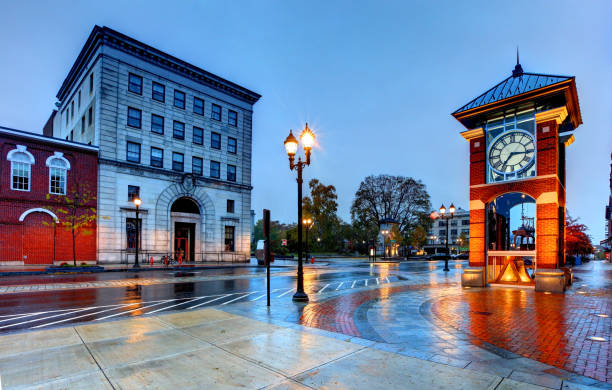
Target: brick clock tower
(518,132)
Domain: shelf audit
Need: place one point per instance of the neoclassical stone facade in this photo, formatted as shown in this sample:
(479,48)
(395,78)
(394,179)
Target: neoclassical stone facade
(170,133)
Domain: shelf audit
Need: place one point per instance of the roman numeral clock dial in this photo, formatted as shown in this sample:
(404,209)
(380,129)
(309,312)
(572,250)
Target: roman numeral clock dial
(511,153)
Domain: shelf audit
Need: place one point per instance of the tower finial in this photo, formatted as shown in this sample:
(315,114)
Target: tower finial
(518,69)
(517,55)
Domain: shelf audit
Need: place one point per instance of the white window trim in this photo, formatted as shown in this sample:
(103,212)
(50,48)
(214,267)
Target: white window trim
(66,168)
(39,210)
(11,156)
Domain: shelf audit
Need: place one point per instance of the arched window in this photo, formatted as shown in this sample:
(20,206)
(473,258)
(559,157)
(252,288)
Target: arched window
(21,168)
(58,168)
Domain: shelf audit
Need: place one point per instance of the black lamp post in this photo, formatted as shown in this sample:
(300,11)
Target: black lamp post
(448,217)
(291,145)
(308,222)
(137,203)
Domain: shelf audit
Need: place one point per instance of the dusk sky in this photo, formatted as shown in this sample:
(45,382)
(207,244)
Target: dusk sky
(376,80)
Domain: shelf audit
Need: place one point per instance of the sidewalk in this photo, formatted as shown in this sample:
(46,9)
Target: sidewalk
(214,349)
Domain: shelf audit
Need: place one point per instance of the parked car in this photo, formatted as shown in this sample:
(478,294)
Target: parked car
(437,256)
(462,256)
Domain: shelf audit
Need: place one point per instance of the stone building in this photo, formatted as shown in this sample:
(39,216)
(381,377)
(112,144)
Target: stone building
(458,230)
(170,133)
(38,175)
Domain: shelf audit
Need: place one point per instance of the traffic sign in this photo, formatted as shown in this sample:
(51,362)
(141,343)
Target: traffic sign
(284,242)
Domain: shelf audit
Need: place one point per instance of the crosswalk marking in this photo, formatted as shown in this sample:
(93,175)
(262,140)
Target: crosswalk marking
(84,315)
(377,282)
(321,290)
(366,282)
(286,292)
(138,308)
(212,300)
(235,299)
(340,285)
(353,285)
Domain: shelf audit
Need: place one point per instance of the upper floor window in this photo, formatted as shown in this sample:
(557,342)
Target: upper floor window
(91,82)
(133,192)
(178,161)
(178,130)
(79,101)
(157,157)
(21,168)
(196,166)
(231,145)
(133,152)
(135,84)
(179,99)
(215,140)
(158,92)
(72,109)
(216,112)
(232,118)
(157,124)
(198,106)
(134,117)
(58,169)
(215,169)
(90,116)
(465,222)
(231,173)
(198,135)
(230,206)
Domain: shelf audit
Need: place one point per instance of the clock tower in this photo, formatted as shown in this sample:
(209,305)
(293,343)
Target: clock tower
(518,133)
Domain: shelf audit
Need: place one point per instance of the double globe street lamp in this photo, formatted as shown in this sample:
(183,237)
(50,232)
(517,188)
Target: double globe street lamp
(447,217)
(137,203)
(307,222)
(291,146)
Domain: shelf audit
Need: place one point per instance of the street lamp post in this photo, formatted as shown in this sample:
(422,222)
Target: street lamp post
(137,203)
(448,217)
(291,145)
(308,222)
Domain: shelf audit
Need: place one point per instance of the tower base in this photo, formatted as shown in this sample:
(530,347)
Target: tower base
(473,277)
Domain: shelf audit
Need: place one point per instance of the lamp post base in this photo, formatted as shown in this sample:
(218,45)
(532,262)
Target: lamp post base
(446,265)
(300,297)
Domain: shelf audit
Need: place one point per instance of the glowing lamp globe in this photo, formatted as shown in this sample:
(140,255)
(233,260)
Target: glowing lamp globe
(291,144)
(307,137)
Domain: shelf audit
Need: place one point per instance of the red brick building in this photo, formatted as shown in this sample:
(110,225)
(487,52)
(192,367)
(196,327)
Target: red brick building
(39,178)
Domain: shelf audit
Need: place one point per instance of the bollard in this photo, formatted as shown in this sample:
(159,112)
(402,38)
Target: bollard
(151,261)
(312,260)
(180,260)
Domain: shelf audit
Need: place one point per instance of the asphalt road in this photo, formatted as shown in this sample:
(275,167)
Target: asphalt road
(46,309)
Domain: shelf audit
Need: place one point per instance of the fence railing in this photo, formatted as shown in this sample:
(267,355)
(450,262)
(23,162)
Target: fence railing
(128,256)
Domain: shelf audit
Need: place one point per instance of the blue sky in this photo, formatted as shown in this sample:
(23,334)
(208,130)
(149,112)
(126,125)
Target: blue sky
(377,80)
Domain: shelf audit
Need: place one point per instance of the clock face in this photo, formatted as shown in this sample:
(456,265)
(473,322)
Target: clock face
(511,152)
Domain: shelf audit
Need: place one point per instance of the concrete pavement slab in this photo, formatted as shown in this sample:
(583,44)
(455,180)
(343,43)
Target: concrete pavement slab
(191,318)
(509,384)
(92,381)
(124,328)
(226,331)
(17,344)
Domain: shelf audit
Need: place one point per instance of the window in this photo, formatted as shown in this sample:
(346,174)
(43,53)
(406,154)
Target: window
(159,92)
(453,223)
(231,173)
(79,101)
(133,192)
(215,140)
(178,130)
(134,117)
(177,161)
(232,118)
(453,232)
(157,157)
(157,124)
(58,168)
(215,169)
(82,124)
(229,238)
(441,223)
(198,106)
(198,135)
(465,222)
(442,233)
(130,232)
(196,166)
(216,112)
(135,84)
(72,109)
(179,99)
(230,205)
(21,168)
(231,145)
(91,83)
(90,116)
(133,152)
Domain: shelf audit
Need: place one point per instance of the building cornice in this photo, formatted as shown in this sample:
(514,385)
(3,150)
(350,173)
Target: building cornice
(557,114)
(106,36)
(474,133)
(50,140)
(177,175)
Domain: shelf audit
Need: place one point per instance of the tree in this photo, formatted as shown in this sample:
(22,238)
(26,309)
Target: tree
(322,207)
(75,210)
(418,237)
(577,242)
(278,231)
(464,241)
(403,199)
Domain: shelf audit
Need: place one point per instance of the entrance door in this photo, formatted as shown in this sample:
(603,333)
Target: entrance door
(38,240)
(184,236)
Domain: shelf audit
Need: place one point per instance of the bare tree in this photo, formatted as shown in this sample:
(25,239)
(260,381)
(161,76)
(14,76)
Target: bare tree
(403,199)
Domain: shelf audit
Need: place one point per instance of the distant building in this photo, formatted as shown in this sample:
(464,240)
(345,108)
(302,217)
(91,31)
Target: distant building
(37,174)
(607,242)
(458,225)
(170,133)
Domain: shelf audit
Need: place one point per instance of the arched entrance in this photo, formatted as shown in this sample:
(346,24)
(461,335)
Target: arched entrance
(511,236)
(185,220)
(39,236)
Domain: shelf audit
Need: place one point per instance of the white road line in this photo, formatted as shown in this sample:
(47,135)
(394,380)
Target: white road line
(19,317)
(43,318)
(366,282)
(178,304)
(212,300)
(377,282)
(286,292)
(15,315)
(387,279)
(321,290)
(340,285)
(138,308)
(235,299)
(353,285)
(259,297)
(85,315)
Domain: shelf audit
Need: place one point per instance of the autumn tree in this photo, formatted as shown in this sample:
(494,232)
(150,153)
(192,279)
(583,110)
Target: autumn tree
(577,242)
(418,237)
(322,207)
(403,199)
(76,211)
